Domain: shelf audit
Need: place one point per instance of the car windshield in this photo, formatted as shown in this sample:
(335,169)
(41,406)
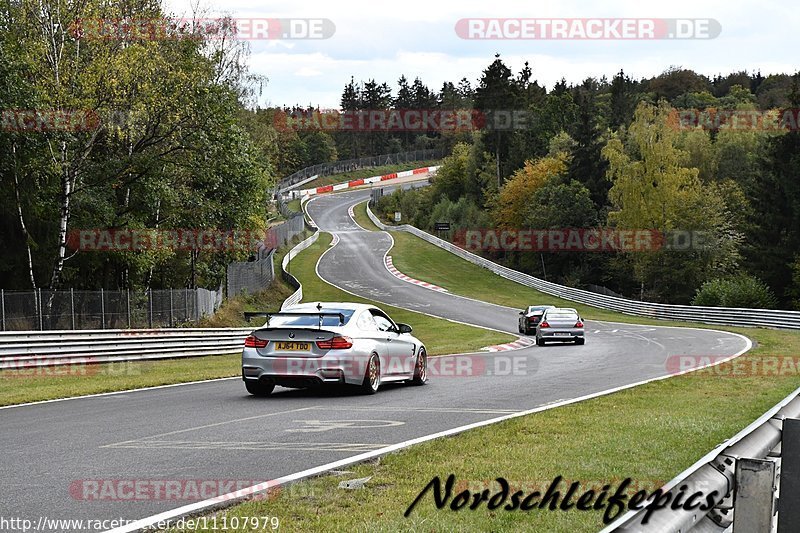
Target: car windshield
(312,320)
(536,308)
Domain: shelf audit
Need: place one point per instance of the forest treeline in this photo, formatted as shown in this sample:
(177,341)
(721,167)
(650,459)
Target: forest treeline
(135,133)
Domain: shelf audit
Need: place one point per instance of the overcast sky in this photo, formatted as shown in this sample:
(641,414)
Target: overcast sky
(383,40)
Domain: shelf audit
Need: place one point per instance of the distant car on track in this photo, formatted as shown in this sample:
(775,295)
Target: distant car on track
(560,324)
(308,345)
(529,317)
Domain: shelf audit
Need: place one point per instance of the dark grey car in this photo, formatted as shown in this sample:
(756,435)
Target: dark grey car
(563,325)
(529,317)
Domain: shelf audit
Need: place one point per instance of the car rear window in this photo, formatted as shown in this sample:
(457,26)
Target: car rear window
(327,321)
(562,316)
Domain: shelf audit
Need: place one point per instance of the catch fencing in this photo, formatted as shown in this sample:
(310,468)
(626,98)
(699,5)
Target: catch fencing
(248,277)
(348,165)
(43,309)
(730,316)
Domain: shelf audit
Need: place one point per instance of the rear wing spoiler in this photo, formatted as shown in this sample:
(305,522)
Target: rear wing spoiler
(252,314)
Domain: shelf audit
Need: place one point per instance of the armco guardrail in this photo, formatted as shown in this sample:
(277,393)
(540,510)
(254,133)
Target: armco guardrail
(45,348)
(744,471)
(423,172)
(730,316)
(298,294)
(337,167)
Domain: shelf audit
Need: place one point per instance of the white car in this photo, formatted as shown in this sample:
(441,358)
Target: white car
(307,345)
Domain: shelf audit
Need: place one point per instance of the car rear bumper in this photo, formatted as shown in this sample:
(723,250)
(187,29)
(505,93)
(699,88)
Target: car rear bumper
(305,371)
(561,334)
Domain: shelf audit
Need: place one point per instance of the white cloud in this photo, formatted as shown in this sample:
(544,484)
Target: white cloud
(417,38)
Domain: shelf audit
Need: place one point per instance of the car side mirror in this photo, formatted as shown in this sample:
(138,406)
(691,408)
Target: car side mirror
(404,328)
(522,312)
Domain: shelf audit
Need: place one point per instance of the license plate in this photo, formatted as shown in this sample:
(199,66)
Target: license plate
(293,346)
(561,333)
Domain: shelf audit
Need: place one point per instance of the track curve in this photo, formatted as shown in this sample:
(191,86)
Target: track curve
(615,354)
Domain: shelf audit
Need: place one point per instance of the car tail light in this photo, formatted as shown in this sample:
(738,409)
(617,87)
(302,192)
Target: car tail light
(336,343)
(251,341)
(544,324)
(533,320)
(578,324)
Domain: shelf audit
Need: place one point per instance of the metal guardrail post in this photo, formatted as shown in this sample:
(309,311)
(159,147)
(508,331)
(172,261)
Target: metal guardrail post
(102,310)
(3,307)
(72,306)
(171,311)
(38,297)
(789,501)
(150,308)
(128,305)
(754,495)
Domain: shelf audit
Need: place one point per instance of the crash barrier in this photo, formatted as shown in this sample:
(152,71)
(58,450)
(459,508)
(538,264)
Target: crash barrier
(730,316)
(297,296)
(423,171)
(739,483)
(313,172)
(29,350)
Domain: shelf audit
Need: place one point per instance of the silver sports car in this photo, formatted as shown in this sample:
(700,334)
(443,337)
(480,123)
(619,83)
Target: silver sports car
(310,344)
(564,324)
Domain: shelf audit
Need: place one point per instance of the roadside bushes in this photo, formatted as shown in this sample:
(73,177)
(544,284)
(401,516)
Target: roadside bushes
(737,291)
(418,209)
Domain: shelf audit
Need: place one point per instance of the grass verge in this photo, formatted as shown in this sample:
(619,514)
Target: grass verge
(294,205)
(49,383)
(362,219)
(368,173)
(649,433)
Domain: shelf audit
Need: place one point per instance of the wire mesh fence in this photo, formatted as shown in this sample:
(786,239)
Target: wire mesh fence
(250,277)
(44,309)
(256,275)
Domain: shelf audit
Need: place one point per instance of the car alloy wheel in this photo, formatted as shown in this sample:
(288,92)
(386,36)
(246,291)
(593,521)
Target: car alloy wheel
(372,377)
(421,368)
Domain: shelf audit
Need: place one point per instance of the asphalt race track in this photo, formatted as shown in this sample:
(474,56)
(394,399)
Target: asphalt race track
(216,431)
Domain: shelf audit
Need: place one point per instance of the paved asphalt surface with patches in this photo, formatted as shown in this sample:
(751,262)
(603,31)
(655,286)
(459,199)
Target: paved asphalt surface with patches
(216,431)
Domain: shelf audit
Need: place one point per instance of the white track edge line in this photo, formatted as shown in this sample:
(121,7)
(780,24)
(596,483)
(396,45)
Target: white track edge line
(112,393)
